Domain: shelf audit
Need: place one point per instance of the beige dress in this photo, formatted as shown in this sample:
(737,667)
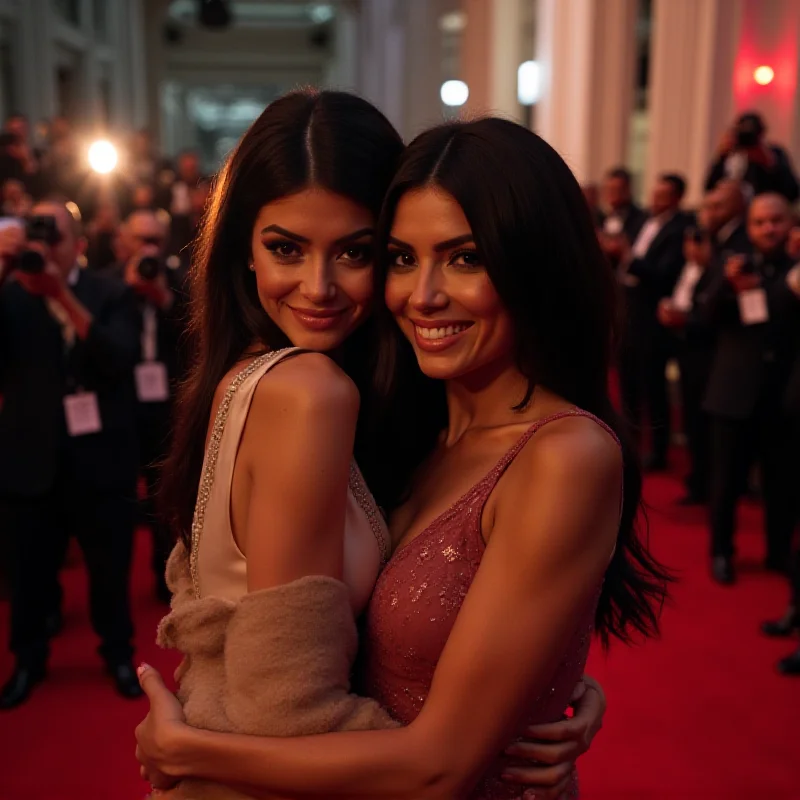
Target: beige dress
(275,662)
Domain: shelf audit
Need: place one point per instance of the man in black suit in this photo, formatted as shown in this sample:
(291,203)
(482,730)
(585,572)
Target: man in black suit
(624,219)
(161,301)
(68,343)
(745,156)
(790,623)
(720,230)
(649,271)
(750,308)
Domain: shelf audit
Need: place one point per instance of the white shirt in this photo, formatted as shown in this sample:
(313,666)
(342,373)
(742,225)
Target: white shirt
(682,297)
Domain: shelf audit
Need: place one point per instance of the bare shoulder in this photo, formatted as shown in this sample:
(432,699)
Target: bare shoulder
(308,382)
(305,386)
(574,445)
(573,456)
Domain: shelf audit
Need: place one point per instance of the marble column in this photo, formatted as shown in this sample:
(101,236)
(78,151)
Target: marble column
(693,54)
(491,52)
(586,51)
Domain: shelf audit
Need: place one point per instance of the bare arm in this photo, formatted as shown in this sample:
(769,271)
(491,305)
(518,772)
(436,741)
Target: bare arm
(296,451)
(550,543)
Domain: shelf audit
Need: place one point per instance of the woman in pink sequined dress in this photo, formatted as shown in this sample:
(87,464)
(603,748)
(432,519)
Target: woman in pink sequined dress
(517,539)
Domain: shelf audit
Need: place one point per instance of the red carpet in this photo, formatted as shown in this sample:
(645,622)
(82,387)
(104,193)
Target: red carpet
(700,714)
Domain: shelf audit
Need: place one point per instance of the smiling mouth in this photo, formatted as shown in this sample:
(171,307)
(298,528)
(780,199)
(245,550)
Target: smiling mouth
(443,332)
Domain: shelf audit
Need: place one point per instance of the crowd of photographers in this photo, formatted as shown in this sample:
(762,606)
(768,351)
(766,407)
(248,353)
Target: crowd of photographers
(92,311)
(716,293)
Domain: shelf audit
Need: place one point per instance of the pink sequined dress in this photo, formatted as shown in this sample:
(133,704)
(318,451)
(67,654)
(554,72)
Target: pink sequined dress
(415,604)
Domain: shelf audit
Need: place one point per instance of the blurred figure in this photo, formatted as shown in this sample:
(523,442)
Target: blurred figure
(68,343)
(62,169)
(101,232)
(749,310)
(159,289)
(720,228)
(16,200)
(188,176)
(744,155)
(143,198)
(18,163)
(648,272)
(183,230)
(624,219)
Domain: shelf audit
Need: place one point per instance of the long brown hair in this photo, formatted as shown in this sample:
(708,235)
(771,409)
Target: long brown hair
(328,139)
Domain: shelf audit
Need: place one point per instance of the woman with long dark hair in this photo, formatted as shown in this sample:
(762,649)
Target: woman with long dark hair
(517,539)
(281,542)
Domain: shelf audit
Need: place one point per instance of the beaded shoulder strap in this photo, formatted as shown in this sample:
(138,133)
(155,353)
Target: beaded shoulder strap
(212,452)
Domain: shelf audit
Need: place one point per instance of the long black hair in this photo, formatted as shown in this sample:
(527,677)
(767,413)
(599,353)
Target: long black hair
(535,233)
(332,140)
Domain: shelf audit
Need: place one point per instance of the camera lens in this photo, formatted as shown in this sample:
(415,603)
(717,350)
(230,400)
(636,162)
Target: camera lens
(31,261)
(149,268)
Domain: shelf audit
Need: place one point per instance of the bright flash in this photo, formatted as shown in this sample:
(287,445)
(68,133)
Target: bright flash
(103,157)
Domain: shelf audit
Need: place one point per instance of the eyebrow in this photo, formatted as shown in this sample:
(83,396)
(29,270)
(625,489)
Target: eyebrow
(448,244)
(360,233)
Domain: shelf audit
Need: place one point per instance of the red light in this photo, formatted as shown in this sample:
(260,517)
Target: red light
(764,75)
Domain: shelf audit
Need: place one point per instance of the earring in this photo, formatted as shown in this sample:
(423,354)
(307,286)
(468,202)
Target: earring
(251,266)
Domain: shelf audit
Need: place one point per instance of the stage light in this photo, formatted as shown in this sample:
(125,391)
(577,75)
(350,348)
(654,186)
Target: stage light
(529,83)
(764,75)
(103,157)
(454,93)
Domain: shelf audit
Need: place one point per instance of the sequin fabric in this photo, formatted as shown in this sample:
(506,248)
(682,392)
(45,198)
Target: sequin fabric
(415,604)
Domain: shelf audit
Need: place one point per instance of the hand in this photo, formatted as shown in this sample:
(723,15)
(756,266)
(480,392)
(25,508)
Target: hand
(12,242)
(553,748)
(741,281)
(48,283)
(727,143)
(669,316)
(157,290)
(761,154)
(157,734)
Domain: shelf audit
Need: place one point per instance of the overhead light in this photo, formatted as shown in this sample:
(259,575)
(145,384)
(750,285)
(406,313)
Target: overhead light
(454,22)
(529,83)
(321,13)
(454,93)
(764,75)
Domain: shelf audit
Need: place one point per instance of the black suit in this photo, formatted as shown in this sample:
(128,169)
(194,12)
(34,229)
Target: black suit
(52,484)
(695,356)
(646,345)
(154,419)
(792,408)
(744,397)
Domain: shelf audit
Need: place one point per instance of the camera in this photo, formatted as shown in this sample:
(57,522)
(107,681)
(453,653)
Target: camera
(698,235)
(149,268)
(749,130)
(42,229)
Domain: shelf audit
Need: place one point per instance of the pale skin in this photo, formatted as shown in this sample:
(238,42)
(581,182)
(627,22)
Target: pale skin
(544,555)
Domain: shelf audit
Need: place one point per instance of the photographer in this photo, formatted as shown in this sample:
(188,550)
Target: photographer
(720,230)
(159,289)
(745,156)
(68,344)
(748,308)
(649,270)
